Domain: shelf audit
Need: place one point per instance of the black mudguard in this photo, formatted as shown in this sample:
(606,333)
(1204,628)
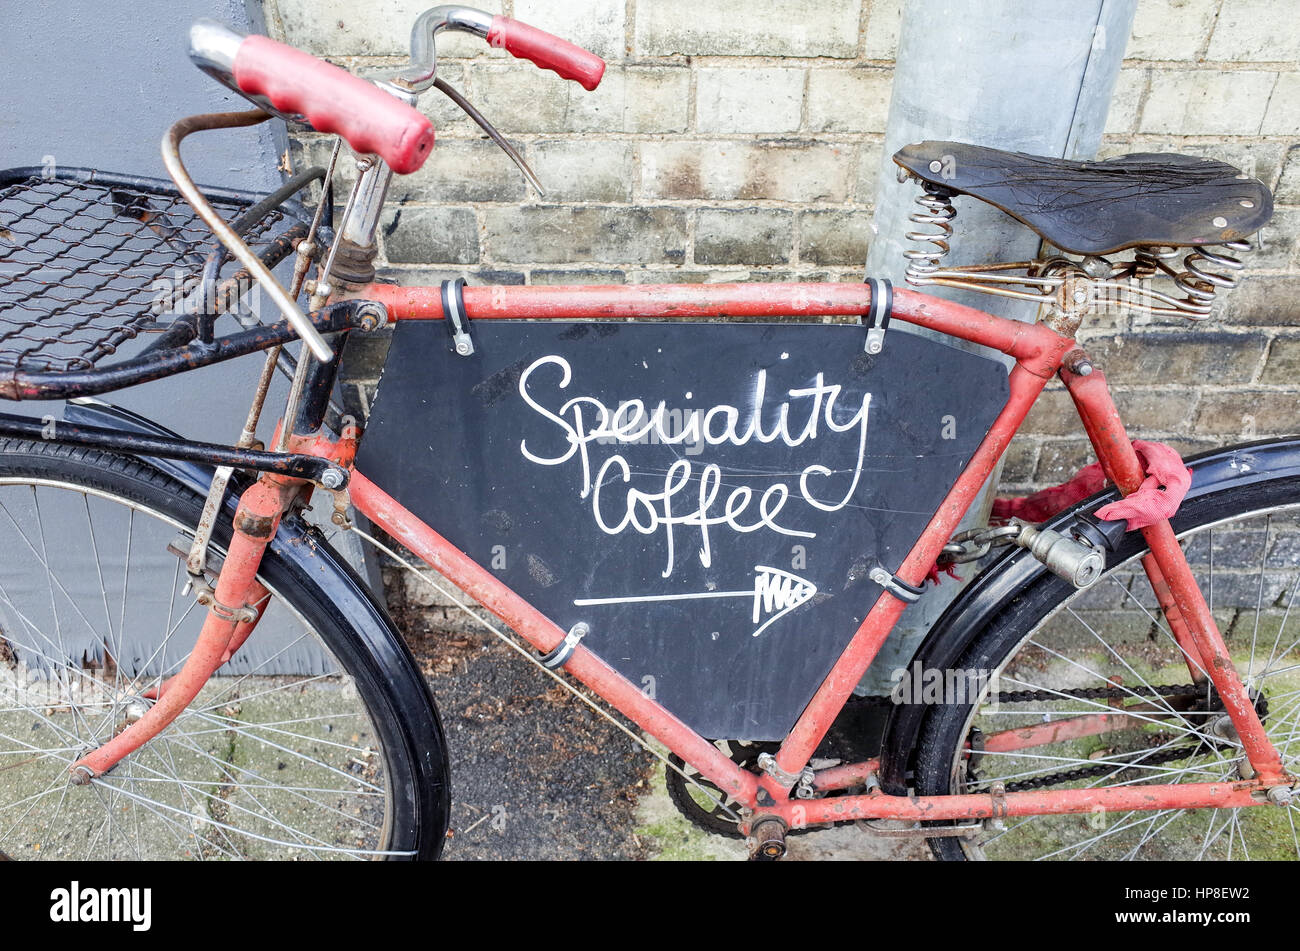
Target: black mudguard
(999,582)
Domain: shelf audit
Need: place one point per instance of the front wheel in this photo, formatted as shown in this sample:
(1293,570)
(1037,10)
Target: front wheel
(317,740)
(1088,689)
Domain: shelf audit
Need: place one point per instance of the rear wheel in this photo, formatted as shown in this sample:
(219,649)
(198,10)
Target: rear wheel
(1099,674)
(302,746)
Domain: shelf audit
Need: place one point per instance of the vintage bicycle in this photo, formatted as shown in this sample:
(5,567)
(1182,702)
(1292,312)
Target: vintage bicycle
(711,524)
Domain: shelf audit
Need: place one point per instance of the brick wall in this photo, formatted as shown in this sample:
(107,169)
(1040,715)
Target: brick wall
(1218,78)
(740,139)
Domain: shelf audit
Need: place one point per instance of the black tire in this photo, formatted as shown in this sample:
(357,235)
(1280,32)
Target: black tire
(324,743)
(1048,638)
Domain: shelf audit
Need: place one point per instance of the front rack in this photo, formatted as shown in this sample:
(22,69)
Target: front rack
(94,264)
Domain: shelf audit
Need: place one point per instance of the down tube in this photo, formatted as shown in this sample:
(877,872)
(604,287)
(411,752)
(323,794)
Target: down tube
(543,634)
(848,671)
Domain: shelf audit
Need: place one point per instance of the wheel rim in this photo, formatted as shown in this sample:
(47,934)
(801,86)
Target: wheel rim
(1114,637)
(276,758)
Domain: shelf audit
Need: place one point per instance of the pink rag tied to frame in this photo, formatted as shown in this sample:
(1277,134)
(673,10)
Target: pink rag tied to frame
(1156,499)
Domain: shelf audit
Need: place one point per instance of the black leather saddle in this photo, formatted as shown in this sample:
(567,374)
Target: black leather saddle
(1099,207)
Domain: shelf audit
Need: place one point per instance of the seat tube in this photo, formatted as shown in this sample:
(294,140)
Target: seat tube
(1127,474)
(1119,459)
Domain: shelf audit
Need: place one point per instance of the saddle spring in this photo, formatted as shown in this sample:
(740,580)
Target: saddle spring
(937,212)
(1199,283)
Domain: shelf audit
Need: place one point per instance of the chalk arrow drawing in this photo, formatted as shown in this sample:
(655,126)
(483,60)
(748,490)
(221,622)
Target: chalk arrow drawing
(775,594)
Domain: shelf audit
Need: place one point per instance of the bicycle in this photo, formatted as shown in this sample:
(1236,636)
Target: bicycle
(1059,740)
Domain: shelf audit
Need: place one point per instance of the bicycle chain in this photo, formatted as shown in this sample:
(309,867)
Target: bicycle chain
(1091,693)
(718,825)
(1076,693)
(1101,769)
(1099,693)
(694,812)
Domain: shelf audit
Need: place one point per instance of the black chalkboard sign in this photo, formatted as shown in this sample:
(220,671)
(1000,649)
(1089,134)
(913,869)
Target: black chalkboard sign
(708,498)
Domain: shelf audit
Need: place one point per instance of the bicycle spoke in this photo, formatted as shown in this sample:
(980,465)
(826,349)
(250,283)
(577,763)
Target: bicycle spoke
(1164,629)
(212,799)
(261,764)
(261,838)
(299,792)
(1259,600)
(1093,659)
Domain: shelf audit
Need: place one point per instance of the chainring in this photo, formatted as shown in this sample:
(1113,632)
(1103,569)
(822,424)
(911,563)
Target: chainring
(709,808)
(705,805)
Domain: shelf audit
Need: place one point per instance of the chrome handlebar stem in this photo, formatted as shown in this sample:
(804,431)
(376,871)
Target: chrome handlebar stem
(362,220)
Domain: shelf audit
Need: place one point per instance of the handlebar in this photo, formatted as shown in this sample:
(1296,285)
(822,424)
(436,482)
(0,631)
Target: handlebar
(333,100)
(547,51)
(294,84)
(373,118)
(516,38)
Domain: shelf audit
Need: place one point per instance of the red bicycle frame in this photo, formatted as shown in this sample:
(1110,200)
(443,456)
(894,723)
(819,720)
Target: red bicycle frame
(1039,353)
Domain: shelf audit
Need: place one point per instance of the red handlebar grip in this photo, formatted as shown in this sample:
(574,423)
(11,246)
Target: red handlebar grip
(333,100)
(547,51)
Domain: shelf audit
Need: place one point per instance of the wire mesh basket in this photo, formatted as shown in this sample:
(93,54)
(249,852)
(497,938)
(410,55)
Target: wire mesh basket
(90,261)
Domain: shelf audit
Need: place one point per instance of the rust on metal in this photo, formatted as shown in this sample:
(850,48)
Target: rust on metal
(260,507)
(807,734)
(846,776)
(1028,803)
(1070,728)
(1119,460)
(545,636)
(1036,346)
(253,525)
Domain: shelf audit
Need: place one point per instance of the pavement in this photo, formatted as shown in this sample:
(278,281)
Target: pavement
(536,774)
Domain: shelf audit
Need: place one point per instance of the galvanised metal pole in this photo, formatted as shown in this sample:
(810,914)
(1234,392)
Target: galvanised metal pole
(1003,73)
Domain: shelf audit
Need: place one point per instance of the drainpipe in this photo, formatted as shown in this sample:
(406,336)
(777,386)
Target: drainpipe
(1025,77)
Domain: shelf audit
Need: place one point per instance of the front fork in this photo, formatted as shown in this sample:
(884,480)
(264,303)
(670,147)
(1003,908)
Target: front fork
(1189,617)
(233,612)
